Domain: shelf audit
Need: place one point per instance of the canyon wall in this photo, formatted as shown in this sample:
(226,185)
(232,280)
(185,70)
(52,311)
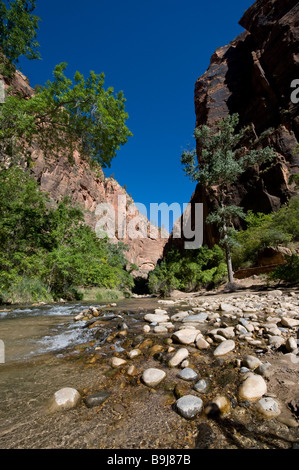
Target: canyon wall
(252,76)
(88,187)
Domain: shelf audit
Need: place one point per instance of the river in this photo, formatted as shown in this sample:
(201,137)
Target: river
(46,350)
(43,353)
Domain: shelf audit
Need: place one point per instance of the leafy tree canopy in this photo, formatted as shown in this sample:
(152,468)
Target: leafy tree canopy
(197,268)
(63,116)
(49,243)
(18,30)
(223,158)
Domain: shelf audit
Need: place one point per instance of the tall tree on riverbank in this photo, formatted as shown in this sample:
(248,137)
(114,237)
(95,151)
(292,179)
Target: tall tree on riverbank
(222,160)
(64,115)
(18,33)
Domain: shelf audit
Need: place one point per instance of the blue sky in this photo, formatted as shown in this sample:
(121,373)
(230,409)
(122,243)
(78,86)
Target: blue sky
(152,50)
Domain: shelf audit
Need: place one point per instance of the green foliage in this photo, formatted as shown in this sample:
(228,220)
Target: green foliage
(65,116)
(50,244)
(222,156)
(295,178)
(223,159)
(27,290)
(18,30)
(197,268)
(287,218)
(264,230)
(288,272)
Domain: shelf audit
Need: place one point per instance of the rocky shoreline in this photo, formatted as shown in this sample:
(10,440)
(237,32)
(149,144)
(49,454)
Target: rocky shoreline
(220,363)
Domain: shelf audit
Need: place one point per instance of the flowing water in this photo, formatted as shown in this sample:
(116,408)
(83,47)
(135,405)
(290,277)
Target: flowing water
(46,350)
(42,350)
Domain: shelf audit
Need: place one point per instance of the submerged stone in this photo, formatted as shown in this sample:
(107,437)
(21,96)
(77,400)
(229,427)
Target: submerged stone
(152,377)
(96,399)
(189,406)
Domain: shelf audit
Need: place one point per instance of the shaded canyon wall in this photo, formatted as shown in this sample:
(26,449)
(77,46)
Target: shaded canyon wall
(252,76)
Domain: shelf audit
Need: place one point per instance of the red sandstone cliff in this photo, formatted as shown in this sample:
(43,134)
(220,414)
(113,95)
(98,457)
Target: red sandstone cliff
(252,76)
(88,187)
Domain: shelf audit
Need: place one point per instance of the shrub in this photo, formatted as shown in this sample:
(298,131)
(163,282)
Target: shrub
(264,230)
(288,272)
(51,245)
(28,290)
(195,269)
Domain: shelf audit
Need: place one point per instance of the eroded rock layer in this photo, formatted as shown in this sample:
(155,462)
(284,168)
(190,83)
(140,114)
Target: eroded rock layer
(252,76)
(88,188)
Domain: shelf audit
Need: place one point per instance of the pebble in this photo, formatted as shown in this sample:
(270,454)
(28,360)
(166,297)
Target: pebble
(224,348)
(179,356)
(253,387)
(156,318)
(96,399)
(219,405)
(276,341)
(291,344)
(188,374)
(268,407)
(160,311)
(189,406)
(134,353)
(117,362)
(179,316)
(201,386)
(251,362)
(225,307)
(199,318)
(265,370)
(152,377)
(160,329)
(289,322)
(132,371)
(186,336)
(201,343)
(65,399)
(185,363)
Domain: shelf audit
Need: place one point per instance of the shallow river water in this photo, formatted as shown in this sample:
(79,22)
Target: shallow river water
(42,347)
(46,350)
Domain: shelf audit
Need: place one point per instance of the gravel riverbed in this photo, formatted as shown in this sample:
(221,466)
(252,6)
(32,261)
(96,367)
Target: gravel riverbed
(196,372)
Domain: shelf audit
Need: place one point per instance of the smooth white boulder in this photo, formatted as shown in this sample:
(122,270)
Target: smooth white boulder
(186,335)
(189,406)
(224,348)
(156,317)
(268,407)
(65,399)
(152,377)
(178,357)
(253,387)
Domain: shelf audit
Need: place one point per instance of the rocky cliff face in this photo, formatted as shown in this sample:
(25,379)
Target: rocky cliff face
(252,76)
(88,188)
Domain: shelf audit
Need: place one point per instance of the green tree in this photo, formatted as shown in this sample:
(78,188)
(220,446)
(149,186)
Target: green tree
(24,225)
(265,230)
(223,159)
(64,116)
(18,32)
(197,268)
(46,248)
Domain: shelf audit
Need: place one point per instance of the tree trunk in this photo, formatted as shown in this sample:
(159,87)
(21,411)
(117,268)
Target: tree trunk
(229,264)
(228,257)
